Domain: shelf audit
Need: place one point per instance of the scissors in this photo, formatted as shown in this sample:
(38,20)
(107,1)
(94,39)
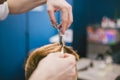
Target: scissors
(61,42)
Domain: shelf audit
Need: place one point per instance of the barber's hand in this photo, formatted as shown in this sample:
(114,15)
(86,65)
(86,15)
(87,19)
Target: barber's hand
(66,10)
(56,66)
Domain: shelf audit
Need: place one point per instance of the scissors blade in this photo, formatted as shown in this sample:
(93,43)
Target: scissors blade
(61,41)
(62,50)
(60,38)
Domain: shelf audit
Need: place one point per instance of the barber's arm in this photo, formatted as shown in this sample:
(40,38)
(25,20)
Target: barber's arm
(21,6)
(17,6)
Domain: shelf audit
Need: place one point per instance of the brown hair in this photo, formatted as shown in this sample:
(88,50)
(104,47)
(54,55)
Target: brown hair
(2,1)
(39,53)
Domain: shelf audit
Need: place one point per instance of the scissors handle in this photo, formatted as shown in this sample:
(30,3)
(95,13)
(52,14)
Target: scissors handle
(61,41)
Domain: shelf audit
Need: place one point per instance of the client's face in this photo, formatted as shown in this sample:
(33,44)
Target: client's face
(37,55)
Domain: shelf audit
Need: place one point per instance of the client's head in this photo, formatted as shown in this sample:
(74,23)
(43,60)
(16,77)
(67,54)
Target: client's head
(38,54)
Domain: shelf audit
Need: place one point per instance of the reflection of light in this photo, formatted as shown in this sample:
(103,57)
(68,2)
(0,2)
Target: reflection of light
(68,37)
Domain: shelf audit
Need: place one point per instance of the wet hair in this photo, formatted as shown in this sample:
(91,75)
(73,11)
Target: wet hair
(39,53)
(2,1)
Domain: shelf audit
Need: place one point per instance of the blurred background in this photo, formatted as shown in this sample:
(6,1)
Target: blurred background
(94,34)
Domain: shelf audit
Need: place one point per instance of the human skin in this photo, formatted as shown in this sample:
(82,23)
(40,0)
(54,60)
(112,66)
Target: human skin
(21,6)
(55,66)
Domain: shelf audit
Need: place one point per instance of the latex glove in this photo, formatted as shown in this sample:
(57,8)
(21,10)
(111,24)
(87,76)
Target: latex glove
(66,10)
(55,66)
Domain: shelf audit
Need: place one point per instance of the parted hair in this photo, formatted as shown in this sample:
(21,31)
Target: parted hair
(39,53)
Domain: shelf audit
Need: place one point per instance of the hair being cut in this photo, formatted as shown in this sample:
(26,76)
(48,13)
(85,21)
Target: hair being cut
(39,53)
